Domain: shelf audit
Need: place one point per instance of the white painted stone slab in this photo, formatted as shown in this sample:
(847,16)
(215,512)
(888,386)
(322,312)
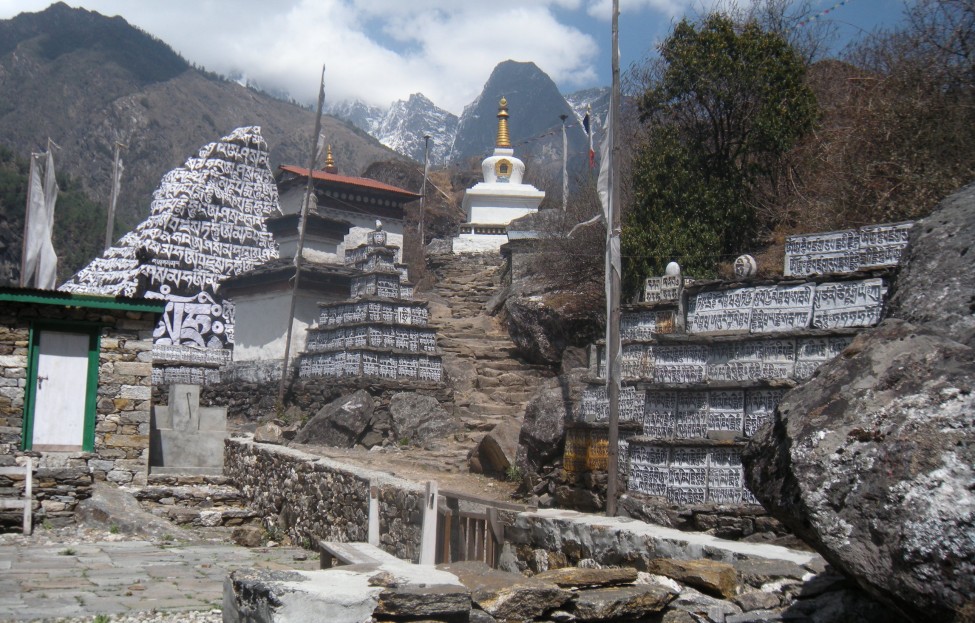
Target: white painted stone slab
(849,304)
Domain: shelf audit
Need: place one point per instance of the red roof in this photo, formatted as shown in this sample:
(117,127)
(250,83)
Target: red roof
(362,182)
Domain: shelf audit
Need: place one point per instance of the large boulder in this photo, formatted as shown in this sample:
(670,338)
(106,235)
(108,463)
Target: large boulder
(496,451)
(419,418)
(542,439)
(342,423)
(871,461)
(543,325)
(937,283)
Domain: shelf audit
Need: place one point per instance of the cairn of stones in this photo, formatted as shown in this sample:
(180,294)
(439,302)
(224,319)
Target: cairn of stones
(380,331)
(206,223)
(704,364)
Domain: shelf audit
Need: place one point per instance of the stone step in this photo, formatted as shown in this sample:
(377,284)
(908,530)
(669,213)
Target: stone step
(191,495)
(209,517)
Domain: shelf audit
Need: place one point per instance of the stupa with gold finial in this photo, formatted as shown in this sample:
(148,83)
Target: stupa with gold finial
(502,197)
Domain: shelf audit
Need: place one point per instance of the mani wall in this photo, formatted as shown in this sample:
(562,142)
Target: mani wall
(206,223)
(705,364)
(380,331)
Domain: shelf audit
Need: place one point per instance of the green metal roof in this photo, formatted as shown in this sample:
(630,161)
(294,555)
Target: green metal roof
(72,299)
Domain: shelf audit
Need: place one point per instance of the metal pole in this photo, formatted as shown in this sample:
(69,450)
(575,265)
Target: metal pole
(613,292)
(301,238)
(423,188)
(565,166)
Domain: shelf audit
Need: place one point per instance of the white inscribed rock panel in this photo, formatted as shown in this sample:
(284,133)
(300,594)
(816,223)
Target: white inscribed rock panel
(691,415)
(849,304)
(759,406)
(658,414)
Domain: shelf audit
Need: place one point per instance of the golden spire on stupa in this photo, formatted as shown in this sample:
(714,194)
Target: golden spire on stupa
(503,139)
(329,161)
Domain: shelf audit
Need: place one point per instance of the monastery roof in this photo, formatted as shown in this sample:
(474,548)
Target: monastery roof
(360,182)
(283,269)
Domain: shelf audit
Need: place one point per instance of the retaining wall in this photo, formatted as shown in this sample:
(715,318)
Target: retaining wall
(318,499)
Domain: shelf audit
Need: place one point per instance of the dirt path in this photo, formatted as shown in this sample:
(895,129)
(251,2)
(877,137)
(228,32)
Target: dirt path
(419,465)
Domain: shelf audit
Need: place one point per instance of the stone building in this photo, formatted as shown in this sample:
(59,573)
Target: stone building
(358,201)
(704,366)
(502,197)
(343,212)
(75,386)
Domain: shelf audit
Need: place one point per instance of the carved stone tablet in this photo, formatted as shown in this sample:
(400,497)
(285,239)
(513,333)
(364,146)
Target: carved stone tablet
(848,304)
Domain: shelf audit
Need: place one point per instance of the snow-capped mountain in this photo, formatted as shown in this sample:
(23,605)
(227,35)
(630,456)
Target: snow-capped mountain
(535,106)
(363,116)
(596,97)
(406,122)
(401,127)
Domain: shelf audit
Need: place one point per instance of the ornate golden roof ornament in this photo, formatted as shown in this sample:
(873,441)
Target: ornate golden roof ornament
(329,162)
(503,139)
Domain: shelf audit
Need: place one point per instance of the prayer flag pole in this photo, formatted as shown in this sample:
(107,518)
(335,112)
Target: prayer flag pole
(613,371)
(301,238)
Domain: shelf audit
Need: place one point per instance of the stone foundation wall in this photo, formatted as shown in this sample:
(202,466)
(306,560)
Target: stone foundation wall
(316,499)
(549,539)
(121,443)
(255,400)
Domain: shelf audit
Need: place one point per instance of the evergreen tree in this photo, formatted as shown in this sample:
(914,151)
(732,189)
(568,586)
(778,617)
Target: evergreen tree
(728,102)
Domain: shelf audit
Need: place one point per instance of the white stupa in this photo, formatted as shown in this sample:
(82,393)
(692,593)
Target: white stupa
(502,197)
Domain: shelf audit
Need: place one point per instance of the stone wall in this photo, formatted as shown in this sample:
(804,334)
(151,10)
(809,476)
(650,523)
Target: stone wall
(317,499)
(254,400)
(121,443)
(558,538)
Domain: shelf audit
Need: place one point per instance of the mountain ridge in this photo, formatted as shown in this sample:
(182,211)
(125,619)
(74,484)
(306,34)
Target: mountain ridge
(77,77)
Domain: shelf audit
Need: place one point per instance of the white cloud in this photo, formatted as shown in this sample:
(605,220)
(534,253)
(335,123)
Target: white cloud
(375,50)
(380,50)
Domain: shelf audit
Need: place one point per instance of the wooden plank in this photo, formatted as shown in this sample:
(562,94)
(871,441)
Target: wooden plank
(352,554)
(508,506)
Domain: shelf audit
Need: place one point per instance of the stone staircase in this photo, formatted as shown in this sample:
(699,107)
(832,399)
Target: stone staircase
(202,501)
(491,383)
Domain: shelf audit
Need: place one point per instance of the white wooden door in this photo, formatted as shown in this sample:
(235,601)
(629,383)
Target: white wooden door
(59,403)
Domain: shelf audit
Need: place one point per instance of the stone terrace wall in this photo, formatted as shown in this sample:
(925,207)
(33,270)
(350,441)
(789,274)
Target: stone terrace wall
(317,499)
(255,400)
(558,538)
(121,446)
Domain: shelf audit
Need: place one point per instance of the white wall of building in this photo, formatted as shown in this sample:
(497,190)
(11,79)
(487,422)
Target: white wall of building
(262,324)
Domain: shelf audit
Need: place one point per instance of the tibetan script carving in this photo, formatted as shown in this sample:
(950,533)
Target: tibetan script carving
(206,223)
(849,304)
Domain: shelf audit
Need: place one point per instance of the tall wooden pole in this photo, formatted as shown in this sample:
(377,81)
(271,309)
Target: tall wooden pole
(113,199)
(423,188)
(302,226)
(613,290)
(565,165)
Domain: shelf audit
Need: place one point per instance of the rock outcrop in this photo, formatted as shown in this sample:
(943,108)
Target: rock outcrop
(937,283)
(419,418)
(342,423)
(871,461)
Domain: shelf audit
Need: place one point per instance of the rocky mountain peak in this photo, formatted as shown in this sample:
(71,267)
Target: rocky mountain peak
(534,103)
(406,123)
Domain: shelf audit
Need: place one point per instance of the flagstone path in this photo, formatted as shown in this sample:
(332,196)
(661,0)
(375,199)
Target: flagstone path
(117,578)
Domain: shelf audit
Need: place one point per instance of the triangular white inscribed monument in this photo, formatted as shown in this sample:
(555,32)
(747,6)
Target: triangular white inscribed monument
(206,223)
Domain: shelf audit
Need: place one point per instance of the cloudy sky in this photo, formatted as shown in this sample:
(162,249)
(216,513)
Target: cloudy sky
(382,50)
